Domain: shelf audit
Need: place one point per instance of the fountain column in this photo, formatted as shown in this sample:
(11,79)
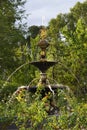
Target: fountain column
(43,44)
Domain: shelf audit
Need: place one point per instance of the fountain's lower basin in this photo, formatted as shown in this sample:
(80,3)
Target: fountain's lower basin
(33,89)
(53,109)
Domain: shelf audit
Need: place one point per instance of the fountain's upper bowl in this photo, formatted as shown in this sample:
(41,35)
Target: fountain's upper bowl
(43,66)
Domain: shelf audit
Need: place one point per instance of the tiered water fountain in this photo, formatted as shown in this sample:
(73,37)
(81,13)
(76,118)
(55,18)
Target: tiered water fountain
(43,65)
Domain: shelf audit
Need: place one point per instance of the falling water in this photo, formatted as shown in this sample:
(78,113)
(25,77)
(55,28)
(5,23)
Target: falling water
(49,86)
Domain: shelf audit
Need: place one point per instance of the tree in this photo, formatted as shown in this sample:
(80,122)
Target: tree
(12,45)
(69,38)
(34,31)
(10,36)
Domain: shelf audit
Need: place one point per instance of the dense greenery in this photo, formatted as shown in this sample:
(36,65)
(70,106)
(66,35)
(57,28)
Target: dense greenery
(67,35)
(69,38)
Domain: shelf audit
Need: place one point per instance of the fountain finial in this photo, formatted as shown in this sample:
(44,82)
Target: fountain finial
(43,33)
